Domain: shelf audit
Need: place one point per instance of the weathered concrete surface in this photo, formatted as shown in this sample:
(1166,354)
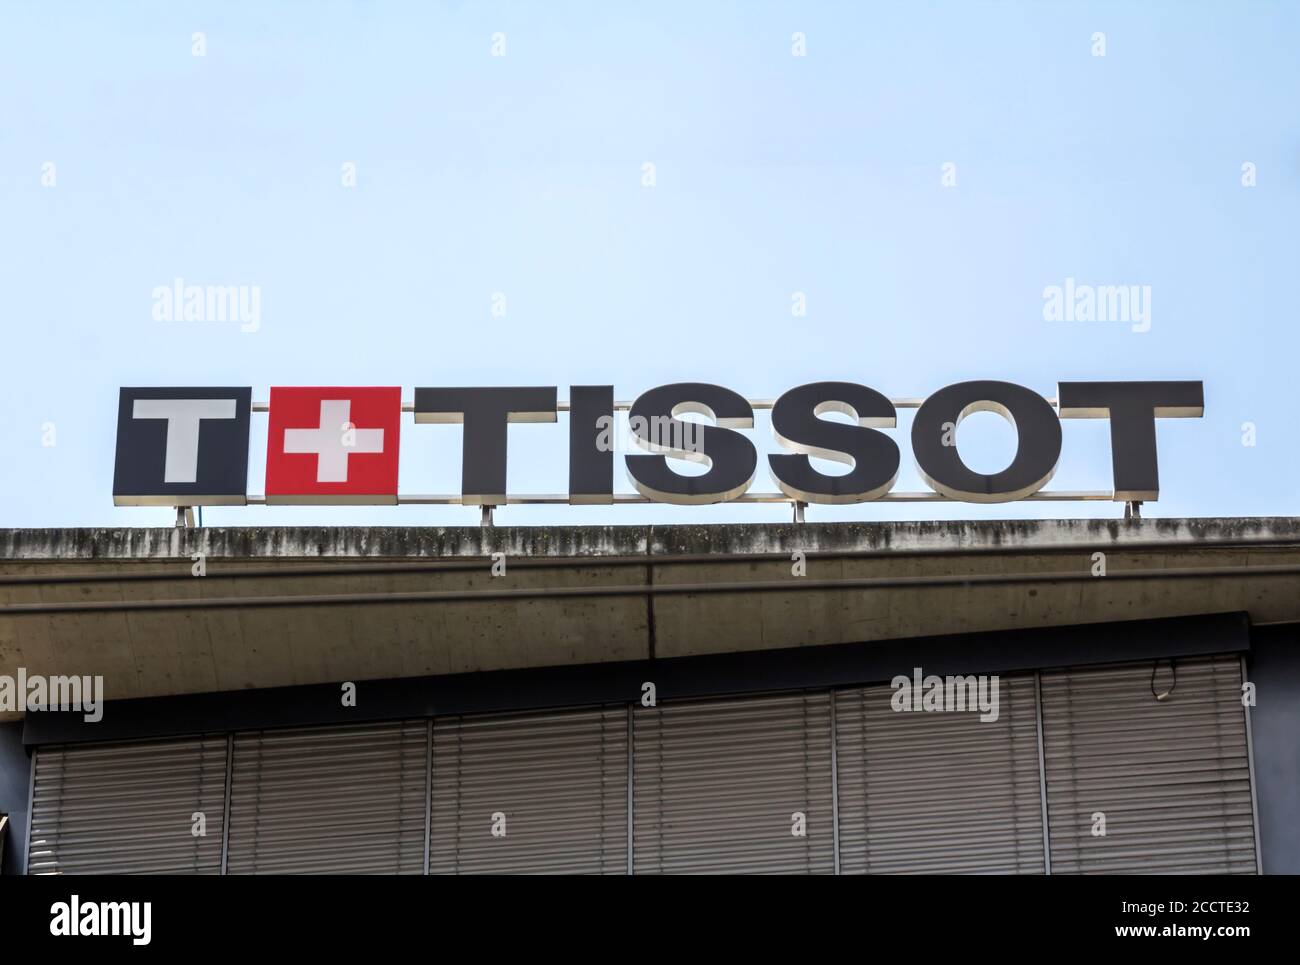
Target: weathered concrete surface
(154,653)
(312,542)
(321,542)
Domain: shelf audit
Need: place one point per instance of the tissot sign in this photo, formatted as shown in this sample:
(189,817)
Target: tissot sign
(189,446)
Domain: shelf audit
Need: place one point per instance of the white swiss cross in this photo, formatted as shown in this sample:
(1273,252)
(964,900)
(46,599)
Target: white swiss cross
(334,440)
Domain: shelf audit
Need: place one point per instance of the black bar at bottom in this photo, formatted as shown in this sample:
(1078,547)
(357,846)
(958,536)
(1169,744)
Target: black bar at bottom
(940,919)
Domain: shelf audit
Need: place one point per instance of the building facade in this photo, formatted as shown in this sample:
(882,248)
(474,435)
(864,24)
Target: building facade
(772,698)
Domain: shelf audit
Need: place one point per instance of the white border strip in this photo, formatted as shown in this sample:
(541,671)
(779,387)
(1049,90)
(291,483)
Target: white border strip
(625,499)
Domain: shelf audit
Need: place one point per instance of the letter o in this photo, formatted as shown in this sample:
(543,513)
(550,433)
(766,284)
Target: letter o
(1037,450)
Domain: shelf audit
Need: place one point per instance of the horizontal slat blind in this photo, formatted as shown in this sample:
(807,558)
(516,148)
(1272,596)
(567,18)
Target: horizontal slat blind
(717,782)
(1171,777)
(329,799)
(128,808)
(939,792)
(557,780)
(716,785)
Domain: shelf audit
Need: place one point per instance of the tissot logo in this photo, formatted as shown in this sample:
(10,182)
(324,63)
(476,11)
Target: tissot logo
(188,446)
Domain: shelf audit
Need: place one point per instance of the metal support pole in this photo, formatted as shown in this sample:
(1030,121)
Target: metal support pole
(631,793)
(487,515)
(31,800)
(1133,510)
(798,510)
(835,787)
(1042,774)
(184,517)
(428,791)
(225,806)
(1250,764)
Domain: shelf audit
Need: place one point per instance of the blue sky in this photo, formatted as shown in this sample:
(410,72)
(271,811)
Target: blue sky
(774,174)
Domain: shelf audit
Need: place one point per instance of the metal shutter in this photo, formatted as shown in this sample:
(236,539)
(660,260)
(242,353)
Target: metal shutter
(1172,777)
(939,792)
(127,808)
(329,800)
(560,779)
(717,782)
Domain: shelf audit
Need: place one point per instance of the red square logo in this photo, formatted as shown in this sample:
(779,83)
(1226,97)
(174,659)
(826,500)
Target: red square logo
(333,445)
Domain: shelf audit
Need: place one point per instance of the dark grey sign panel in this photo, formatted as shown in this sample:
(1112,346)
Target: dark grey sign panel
(486,414)
(182,446)
(730,456)
(798,427)
(1132,408)
(591,444)
(934,441)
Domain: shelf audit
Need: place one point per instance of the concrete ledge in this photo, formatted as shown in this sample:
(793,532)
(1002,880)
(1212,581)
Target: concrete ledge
(344,542)
(156,652)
